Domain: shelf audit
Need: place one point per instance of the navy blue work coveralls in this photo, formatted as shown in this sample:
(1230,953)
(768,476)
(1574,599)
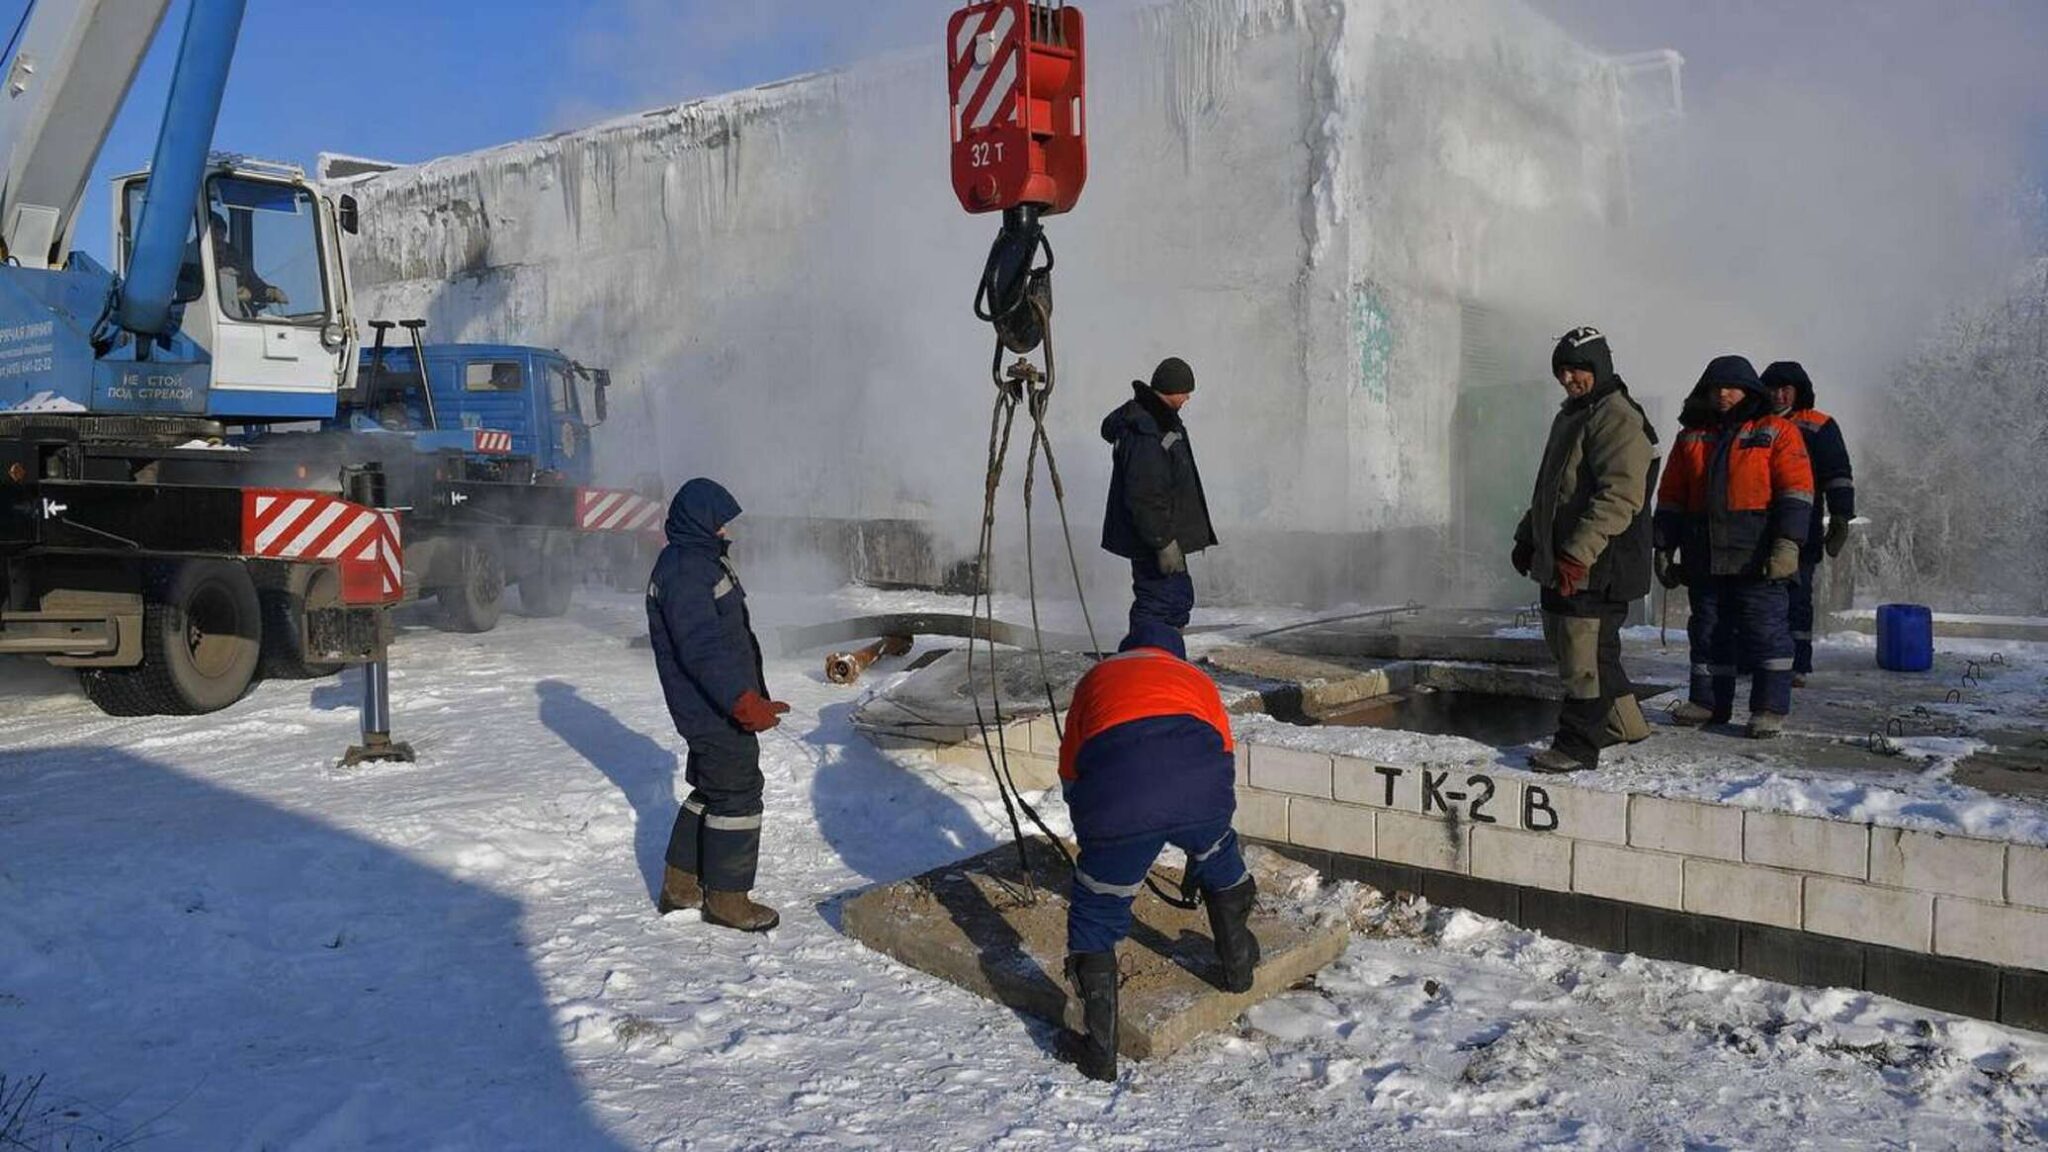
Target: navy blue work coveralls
(707,656)
(1735,484)
(1146,760)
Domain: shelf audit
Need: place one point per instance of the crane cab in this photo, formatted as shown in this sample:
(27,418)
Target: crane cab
(264,287)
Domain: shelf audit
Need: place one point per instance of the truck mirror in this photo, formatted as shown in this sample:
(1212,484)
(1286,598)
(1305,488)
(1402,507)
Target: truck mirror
(347,215)
(603,377)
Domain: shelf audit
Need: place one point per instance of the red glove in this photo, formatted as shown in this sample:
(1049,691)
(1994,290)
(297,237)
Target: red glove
(1571,576)
(755,713)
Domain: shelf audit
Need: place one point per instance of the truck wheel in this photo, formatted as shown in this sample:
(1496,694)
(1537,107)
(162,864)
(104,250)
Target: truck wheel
(284,623)
(549,586)
(201,638)
(474,602)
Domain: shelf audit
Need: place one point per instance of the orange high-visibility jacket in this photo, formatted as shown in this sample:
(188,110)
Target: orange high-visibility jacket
(1147,748)
(1730,489)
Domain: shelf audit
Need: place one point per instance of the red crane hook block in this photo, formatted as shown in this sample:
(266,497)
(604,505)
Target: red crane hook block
(1015,73)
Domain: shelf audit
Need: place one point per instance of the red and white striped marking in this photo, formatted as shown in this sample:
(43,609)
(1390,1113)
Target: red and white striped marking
(315,526)
(492,442)
(987,81)
(612,510)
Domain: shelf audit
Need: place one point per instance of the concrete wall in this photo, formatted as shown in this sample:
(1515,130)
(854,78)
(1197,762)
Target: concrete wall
(1295,197)
(1980,904)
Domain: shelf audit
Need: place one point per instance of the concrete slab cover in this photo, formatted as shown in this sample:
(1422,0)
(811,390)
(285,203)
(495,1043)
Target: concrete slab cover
(970,923)
(935,700)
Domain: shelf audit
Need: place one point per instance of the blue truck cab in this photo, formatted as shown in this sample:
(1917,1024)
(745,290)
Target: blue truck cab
(544,401)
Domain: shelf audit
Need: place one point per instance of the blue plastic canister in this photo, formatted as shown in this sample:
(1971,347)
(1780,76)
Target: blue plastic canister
(1905,637)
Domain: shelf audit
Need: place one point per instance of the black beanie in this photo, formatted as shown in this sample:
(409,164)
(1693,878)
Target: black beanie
(1584,347)
(1173,377)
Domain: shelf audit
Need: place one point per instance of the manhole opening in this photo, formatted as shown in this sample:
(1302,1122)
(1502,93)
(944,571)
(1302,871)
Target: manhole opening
(1494,718)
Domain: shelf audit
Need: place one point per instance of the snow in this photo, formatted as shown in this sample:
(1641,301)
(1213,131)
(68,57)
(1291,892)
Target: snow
(47,401)
(211,937)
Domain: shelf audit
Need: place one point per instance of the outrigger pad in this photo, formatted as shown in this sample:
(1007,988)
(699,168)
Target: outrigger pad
(977,924)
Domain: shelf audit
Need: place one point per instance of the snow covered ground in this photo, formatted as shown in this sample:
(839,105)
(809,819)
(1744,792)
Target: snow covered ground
(212,938)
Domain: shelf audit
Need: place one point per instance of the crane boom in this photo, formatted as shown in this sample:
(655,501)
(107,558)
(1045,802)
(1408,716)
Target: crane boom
(76,61)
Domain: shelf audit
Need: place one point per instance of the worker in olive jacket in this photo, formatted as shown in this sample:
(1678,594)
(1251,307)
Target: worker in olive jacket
(1586,542)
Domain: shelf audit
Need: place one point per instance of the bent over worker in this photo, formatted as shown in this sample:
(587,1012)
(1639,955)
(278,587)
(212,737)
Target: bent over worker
(1146,761)
(1734,503)
(1792,397)
(1157,515)
(1586,542)
(710,667)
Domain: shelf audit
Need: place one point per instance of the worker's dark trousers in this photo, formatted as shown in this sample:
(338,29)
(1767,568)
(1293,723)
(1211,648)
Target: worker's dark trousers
(1107,877)
(718,830)
(1585,640)
(1802,619)
(1741,625)
(1159,597)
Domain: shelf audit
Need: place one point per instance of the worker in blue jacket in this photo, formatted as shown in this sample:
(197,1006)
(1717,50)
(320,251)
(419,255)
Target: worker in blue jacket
(710,667)
(1835,485)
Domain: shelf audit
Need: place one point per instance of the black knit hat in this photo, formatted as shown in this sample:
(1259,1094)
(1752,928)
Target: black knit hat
(1173,377)
(1584,347)
(1791,374)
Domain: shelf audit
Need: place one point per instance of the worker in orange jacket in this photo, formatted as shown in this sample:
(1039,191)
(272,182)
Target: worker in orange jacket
(1733,510)
(1146,760)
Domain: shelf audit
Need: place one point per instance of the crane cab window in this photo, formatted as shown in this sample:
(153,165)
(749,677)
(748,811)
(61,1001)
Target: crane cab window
(493,376)
(266,251)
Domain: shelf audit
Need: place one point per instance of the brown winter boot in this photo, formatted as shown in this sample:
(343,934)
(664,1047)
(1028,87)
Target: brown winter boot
(1765,725)
(1554,761)
(734,910)
(1625,723)
(679,891)
(1692,715)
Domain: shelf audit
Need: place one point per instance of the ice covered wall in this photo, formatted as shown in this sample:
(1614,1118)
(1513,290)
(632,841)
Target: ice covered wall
(1293,195)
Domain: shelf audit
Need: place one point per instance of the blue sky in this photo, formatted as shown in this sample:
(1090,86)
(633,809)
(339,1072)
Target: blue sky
(414,79)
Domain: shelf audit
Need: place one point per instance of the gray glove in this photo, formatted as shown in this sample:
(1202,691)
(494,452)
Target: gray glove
(1838,535)
(1171,562)
(1784,561)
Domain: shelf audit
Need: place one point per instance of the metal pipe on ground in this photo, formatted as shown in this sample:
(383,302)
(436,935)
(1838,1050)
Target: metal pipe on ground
(846,667)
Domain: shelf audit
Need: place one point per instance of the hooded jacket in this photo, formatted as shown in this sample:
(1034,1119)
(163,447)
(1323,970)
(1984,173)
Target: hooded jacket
(704,645)
(1832,477)
(1155,493)
(1736,481)
(1591,501)
(1147,748)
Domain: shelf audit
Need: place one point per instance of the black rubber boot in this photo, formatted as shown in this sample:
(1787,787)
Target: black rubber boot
(1237,950)
(1093,1051)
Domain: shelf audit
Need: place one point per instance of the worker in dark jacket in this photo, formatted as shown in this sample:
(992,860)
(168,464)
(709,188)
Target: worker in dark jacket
(1734,505)
(1157,515)
(1146,761)
(1792,397)
(710,666)
(1586,542)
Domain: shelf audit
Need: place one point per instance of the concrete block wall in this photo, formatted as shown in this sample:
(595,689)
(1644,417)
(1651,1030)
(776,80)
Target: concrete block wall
(1916,892)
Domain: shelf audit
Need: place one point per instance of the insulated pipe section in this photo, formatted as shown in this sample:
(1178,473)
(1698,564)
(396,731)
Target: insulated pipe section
(182,144)
(846,667)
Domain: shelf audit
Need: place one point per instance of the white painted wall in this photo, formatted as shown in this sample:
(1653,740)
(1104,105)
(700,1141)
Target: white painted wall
(1293,195)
